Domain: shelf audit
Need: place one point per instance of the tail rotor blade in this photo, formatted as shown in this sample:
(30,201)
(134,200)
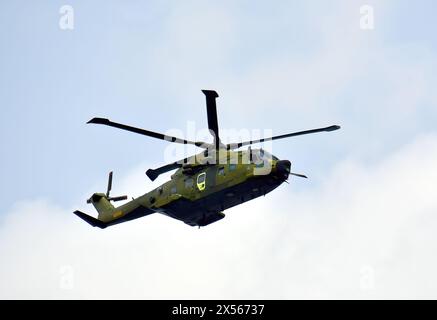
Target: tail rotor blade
(109,184)
(120,198)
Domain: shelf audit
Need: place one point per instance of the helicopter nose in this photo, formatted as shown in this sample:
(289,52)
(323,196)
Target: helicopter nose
(283,168)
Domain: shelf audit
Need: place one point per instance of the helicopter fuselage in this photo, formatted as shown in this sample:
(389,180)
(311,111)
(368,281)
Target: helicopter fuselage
(199,191)
(198,195)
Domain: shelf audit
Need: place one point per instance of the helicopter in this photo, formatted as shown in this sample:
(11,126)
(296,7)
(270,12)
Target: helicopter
(203,185)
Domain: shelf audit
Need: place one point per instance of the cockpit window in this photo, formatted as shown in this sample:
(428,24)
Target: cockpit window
(260,155)
(221,171)
(268,155)
(256,157)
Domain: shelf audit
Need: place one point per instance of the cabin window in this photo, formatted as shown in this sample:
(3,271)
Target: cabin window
(221,171)
(189,183)
(201,181)
(173,190)
(232,167)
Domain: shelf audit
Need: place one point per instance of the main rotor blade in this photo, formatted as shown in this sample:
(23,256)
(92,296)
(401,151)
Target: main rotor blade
(144,132)
(211,109)
(109,184)
(231,146)
(154,173)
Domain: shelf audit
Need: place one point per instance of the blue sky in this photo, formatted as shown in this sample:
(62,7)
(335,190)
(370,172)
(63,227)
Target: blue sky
(118,62)
(285,66)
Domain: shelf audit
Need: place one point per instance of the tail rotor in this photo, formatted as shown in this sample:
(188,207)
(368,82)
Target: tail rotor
(119,198)
(96,197)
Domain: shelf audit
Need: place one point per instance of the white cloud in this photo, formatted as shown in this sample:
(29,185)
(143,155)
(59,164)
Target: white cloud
(367,232)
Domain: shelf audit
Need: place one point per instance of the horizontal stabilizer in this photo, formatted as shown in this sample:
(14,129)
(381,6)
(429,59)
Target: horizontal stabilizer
(92,221)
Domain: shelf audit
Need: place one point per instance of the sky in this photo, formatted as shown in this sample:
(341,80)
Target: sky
(361,227)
